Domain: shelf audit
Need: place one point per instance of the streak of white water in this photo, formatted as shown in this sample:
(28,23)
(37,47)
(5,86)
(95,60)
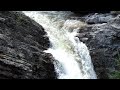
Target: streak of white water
(73,55)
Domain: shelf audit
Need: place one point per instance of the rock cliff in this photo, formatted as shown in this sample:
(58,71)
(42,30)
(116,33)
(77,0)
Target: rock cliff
(22,42)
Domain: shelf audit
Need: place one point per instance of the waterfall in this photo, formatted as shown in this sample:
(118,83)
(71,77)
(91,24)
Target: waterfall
(72,56)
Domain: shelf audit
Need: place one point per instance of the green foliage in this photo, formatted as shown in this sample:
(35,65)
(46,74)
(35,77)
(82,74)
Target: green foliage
(116,73)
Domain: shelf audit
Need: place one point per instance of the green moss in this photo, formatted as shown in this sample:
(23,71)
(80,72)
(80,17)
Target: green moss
(116,73)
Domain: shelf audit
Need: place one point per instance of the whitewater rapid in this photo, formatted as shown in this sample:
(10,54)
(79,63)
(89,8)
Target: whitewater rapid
(73,60)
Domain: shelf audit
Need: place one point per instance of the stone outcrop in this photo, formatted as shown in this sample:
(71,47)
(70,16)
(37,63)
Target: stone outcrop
(22,42)
(102,36)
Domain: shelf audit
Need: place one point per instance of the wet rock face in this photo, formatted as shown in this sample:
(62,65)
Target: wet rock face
(22,42)
(103,41)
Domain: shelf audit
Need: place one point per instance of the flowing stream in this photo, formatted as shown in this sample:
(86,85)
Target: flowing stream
(72,56)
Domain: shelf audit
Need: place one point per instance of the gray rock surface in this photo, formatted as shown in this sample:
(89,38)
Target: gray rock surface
(22,42)
(103,40)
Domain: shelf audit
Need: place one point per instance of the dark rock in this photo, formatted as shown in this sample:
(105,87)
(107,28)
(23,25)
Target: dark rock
(22,42)
(98,18)
(103,42)
(82,13)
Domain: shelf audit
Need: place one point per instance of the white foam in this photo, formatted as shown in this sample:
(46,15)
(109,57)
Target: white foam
(73,55)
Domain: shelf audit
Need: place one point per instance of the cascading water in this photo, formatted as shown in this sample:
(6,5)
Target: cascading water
(72,55)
